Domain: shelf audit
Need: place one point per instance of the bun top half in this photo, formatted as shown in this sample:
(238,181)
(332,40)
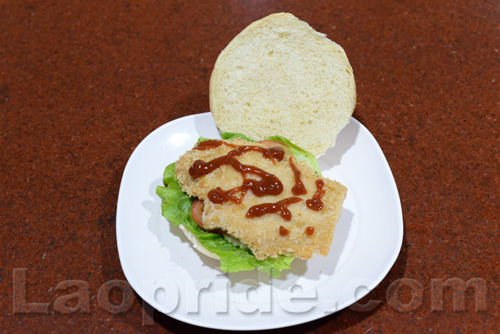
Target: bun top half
(281,77)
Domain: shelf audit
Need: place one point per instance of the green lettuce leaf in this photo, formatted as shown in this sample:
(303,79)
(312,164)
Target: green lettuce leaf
(300,153)
(231,135)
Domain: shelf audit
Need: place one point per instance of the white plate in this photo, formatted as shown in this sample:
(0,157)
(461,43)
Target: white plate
(171,276)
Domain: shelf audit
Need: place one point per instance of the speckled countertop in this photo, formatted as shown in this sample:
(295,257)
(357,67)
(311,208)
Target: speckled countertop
(83,82)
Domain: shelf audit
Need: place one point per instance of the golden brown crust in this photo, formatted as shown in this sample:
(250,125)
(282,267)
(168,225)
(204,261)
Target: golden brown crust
(261,234)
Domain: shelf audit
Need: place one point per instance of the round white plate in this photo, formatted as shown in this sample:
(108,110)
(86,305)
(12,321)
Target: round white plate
(175,279)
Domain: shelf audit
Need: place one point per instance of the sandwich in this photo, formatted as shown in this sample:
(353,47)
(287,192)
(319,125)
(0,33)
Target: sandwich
(255,198)
(252,204)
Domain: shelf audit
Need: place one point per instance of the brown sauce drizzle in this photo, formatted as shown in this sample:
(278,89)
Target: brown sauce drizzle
(210,144)
(309,230)
(269,184)
(219,196)
(298,188)
(278,207)
(273,153)
(284,231)
(315,202)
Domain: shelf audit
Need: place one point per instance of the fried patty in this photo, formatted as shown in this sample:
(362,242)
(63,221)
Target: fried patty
(269,235)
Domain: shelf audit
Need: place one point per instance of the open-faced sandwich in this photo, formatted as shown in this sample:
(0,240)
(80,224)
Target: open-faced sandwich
(260,204)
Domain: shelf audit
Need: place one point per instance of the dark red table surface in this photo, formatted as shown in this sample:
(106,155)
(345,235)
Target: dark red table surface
(82,83)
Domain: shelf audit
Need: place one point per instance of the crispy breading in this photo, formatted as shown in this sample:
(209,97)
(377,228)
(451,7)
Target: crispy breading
(262,234)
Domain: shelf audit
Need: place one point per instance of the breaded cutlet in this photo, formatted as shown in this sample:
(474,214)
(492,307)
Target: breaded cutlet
(269,235)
